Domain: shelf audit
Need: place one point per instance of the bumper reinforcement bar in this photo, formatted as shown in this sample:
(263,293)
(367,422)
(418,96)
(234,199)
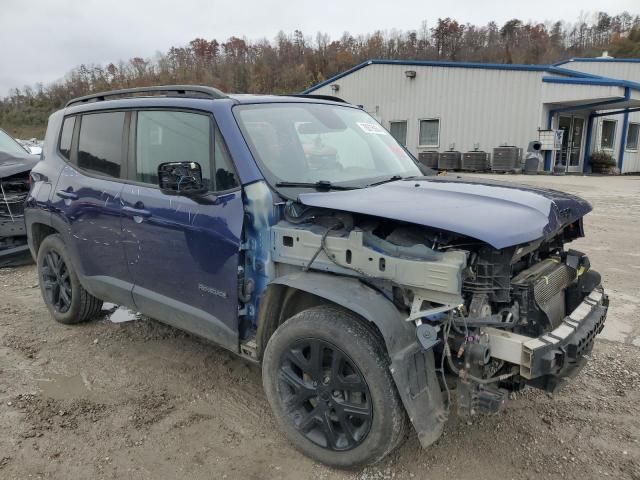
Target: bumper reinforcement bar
(557,352)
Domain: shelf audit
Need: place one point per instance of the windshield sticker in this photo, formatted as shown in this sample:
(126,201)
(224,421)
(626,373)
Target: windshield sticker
(373,128)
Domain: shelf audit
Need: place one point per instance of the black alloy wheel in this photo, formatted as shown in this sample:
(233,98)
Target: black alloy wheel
(326,374)
(56,282)
(325,394)
(63,294)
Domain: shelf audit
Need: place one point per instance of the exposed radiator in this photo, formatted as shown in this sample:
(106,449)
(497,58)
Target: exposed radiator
(556,280)
(13,193)
(543,287)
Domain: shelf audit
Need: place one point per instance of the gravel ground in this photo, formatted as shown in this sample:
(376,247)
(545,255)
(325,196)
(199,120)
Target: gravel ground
(143,400)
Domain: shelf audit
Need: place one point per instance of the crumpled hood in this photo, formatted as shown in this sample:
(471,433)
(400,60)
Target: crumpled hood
(499,213)
(10,163)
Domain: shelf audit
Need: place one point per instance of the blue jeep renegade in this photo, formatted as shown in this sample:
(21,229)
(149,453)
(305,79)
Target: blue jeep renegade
(296,232)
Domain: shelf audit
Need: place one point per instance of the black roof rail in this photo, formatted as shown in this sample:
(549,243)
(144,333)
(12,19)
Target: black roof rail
(330,98)
(176,90)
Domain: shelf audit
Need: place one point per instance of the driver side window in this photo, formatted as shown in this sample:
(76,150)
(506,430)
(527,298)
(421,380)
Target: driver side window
(172,136)
(166,136)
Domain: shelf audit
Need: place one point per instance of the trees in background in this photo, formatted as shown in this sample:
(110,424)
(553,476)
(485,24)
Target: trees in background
(292,62)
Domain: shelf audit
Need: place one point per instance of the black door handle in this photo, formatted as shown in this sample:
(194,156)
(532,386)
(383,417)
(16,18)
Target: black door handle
(67,195)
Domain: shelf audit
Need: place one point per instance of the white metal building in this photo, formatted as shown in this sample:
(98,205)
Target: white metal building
(441,106)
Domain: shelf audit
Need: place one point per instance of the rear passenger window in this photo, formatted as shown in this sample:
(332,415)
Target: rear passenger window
(66,136)
(100,143)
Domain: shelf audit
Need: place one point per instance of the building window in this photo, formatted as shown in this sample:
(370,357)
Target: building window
(608,137)
(398,131)
(632,136)
(429,132)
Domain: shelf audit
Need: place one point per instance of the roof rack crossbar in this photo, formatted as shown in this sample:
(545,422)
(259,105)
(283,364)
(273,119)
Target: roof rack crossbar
(178,90)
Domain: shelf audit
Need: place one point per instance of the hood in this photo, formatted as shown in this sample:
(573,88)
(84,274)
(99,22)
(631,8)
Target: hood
(11,163)
(499,213)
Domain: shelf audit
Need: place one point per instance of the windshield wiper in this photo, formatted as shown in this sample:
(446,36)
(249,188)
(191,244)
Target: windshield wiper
(319,185)
(387,180)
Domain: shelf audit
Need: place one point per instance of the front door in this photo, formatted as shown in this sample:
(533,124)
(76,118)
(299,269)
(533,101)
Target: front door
(183,252)
(570,155)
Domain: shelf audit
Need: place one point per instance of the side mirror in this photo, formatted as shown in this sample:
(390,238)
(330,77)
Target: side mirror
(181,178)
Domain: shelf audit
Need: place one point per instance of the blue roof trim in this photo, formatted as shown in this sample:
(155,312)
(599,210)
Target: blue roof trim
(600,81)
(613,60)
(434,63)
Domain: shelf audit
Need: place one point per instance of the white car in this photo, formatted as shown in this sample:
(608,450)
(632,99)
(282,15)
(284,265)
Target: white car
(32,146)
(34,149)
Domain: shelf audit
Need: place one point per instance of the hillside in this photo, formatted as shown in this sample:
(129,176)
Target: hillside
(291,63)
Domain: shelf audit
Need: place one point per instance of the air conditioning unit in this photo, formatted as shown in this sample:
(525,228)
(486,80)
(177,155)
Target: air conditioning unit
(449,160)
(429,159)
(476,161)
(507,159)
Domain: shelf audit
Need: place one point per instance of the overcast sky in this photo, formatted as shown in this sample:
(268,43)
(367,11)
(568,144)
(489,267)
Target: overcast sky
(41,40)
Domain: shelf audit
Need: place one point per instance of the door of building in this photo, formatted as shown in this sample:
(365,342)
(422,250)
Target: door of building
(570,155)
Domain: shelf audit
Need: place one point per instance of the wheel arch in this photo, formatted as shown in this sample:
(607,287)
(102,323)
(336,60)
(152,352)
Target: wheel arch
(413,368)
(290,294)
(40,223)
(38,232)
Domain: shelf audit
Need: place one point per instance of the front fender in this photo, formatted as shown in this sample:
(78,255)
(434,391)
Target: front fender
(412,367)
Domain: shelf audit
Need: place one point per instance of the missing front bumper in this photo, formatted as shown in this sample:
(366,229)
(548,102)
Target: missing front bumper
(558,354)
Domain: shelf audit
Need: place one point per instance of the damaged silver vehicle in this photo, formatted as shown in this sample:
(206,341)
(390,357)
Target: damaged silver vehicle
(15,165)
(296,232)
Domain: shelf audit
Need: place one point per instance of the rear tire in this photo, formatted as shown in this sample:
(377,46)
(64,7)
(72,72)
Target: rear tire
(342,409)
(67,300)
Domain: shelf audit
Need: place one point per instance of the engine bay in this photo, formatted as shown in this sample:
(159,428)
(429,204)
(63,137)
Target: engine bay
(475,306)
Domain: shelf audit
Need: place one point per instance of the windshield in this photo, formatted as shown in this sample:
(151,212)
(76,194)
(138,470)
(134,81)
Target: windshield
(9,145)
(309,143)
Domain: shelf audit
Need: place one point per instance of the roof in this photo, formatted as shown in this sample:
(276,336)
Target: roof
(184,101)
(448,64)
(566,75)
(598,59)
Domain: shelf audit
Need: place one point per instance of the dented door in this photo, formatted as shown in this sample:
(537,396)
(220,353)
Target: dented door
(182,252)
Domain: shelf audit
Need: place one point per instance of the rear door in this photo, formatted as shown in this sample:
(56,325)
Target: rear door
(87,197)
(183,252)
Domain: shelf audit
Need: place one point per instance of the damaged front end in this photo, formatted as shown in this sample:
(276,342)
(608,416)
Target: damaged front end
(530,317)
(488,320)
(14,189)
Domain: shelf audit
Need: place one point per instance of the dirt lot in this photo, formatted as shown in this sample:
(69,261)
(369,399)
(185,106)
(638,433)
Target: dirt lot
(142,400)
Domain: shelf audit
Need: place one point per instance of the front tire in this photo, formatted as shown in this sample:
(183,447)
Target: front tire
(67,300)
(326,376)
